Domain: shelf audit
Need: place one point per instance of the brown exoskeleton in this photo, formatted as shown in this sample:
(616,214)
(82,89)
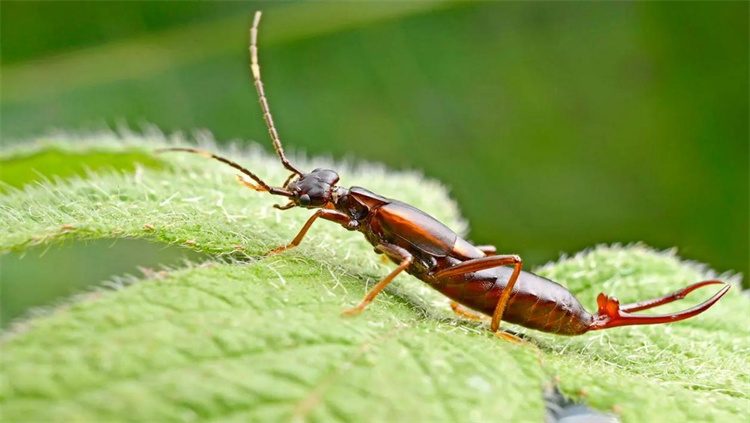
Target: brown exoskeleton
(420,245)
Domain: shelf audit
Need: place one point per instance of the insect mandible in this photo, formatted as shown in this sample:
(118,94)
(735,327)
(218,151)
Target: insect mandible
(474,277)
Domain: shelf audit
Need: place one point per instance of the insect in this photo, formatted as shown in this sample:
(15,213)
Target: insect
(474,277)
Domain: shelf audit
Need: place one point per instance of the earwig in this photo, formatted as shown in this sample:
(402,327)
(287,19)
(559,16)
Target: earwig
(472,276)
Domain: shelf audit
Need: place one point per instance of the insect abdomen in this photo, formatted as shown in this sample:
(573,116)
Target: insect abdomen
(536,302)
(541,304)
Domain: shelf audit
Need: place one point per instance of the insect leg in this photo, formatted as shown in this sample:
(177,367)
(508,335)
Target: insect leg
(406,259)
(488,263)
(488,250)
(461,311)
(332,215)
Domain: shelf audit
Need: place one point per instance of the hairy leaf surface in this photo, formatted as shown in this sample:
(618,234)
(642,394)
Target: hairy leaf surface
(243,337)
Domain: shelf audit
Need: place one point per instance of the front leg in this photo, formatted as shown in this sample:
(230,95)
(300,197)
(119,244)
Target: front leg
(332,215)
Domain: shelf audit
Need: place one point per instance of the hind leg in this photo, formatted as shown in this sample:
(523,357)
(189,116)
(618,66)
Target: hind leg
(488,263)
(488,250)
(465,313)
(468,314)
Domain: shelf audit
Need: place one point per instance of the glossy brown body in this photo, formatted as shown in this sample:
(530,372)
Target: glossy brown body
(535,303)
(429,250)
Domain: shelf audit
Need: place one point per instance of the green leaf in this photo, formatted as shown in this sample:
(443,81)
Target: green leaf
(250,338)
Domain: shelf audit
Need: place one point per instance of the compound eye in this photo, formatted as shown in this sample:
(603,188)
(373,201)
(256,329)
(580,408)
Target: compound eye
(304,200)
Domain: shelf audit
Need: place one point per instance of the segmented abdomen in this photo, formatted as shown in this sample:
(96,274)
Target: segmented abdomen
(536,302)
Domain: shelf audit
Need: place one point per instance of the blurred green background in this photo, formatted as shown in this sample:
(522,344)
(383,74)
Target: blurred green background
(556,125)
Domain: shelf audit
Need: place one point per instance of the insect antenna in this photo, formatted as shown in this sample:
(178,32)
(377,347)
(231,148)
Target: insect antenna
(262,185)
(255,67)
